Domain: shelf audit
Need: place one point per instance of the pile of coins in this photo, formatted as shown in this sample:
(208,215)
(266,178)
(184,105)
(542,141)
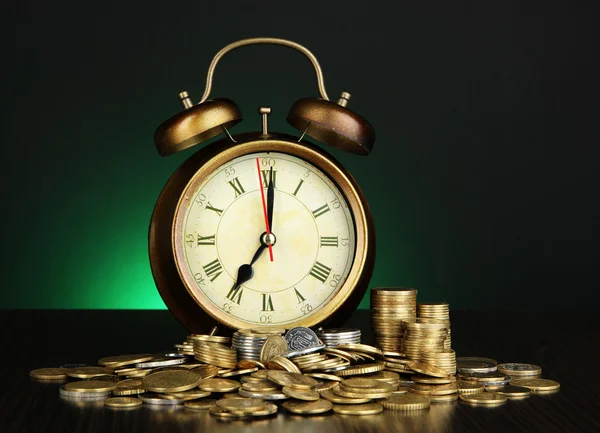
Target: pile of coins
(425,342)
(334,336)
(390,307)
(249,342)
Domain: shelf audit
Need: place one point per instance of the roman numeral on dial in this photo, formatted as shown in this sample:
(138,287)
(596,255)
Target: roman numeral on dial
(266,174)
(235,294)
(213,269)
(320,211)
(320,272)
(298,187)
(237,186)
(299,296)
(329,241)
(206,240)
(214,209)
(267,302)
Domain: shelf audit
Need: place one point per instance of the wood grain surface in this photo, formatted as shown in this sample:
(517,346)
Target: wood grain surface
(564,344)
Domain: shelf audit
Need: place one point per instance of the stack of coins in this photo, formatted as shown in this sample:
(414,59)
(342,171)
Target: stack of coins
(215,354)
(187,347)
(391,306)
(424,342)
(436,313)
(334,336)
(249,342)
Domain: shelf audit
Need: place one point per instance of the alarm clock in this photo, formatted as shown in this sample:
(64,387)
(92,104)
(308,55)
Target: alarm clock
(262,229)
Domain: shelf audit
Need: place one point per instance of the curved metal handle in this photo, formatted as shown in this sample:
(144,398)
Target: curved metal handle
(273,41)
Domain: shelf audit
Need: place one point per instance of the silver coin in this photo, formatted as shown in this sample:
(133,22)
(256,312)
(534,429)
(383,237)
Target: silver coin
(300,352)
(345,332)
(262,395)
(174,355)
(301,338)
(83,395)
(158,399)
(520,369)
(473,364)
(338,368)
(161,362)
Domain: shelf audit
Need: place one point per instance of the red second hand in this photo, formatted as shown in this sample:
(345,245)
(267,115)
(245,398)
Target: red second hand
(262,194)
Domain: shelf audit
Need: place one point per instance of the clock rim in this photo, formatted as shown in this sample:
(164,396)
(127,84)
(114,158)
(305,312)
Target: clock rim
(163,241)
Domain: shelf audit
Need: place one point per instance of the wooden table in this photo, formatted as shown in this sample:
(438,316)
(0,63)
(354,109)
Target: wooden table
(565,345)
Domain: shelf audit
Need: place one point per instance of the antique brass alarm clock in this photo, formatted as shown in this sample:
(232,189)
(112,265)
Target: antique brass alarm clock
(262,229)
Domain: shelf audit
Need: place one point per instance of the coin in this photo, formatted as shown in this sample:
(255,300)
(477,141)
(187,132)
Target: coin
(128,390)
(273,346)
(301,338)
(537,384)
(359,382)
(405,402)
(419,378)
(202,404)
(469,387)
(427,369)
(292,380)
(244,405)
(159,399)
(334,398)
(224,413)
(324,386)
(239,372)
(512,391)
(484,398)
(121,360)
(520,370)
(278,362)
(88,372)
(49,373)
(83,395)
(269,409)
(263,395)
(361,369)
(206,371)
(161,362)
(304,351)
(308,407)
(268,330)
(358,409)
(261,386)
(473,364)
(90,386)
(249,363)
(325,376)
(219,385)
(171,381)
(122,402)
(192,394)
(442,398)
(361,348)
(301,394)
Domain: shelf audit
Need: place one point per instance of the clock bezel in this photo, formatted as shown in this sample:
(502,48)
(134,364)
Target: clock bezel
(165,243)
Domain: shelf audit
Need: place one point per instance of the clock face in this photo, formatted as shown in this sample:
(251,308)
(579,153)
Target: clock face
(222,228)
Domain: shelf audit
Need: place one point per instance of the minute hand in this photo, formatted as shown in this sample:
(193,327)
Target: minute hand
(270,198)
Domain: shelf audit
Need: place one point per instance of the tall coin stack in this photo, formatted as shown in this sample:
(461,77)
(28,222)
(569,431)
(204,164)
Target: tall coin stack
(390,307)
(249,342)
(436,313)
(334,336)
(424,342)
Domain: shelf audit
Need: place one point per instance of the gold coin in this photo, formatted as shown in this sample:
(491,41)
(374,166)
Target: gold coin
(268,330)
(239,372)
(469,387)
(49,373)
(361,369)
(128,390)
(308,407)
(443,398)
(419,378)
(249,363)
(269,409)
(203,404)
(121,360)
(384,376)
(260,374)
(90,386)
(422,388)
(427,369)
(292,380)
(210,338)
(241,405)
(324,386)
(192,394)
(301,394)
(512,391)
(359,382)
(405,402)
(278,362)
(224,413)
(128,383)
(122,402)
(334,398)
(260,386)
(361,348)
(537,384)
(219,385)
(325,376)
(361,392)
(231,395)
(171,381)
(88,372)
(206,371)
(484,398)
(273,346)
(358,409)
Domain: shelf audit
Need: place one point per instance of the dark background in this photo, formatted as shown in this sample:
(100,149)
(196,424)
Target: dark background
(483,181)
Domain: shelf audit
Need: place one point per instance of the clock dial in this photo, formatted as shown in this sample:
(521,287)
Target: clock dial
(222,227)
